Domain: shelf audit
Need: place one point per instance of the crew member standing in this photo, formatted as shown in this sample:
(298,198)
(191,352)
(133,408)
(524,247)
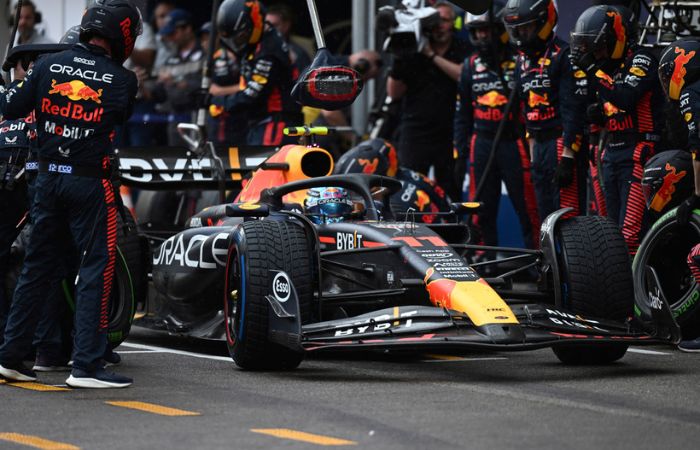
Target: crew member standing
(485,84)
(79,95)
(679,72)
(266,73)
(553,103)
(624,78)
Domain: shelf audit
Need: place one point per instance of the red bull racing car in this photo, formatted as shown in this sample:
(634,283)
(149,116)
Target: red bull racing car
(276,283)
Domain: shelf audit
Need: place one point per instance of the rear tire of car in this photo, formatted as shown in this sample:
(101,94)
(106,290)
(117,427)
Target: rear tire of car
(258,247)
(665,248)
(596,278)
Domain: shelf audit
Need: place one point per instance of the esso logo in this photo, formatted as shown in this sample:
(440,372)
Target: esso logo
(281,287)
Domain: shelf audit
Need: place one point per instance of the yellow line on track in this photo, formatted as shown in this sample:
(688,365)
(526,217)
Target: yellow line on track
(36,442)
(30,385)
(285,433)
(153,408)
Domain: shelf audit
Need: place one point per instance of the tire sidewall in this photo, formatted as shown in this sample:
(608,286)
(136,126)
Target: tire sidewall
(685,308)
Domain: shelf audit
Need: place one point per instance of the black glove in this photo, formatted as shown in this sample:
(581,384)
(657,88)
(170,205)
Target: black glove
(685,209)
(564,174)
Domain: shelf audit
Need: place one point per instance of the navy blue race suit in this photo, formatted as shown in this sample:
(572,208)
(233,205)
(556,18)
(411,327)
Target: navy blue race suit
(79,96)
(225,127)
(632,102)
(553,106)
(266,83)
(14,148)
(483,100)
(690,109)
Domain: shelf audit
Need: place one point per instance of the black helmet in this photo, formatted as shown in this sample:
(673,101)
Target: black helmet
(118,21)
(373,156)
(667,180)
(240,24)
(631,19)
(519,14)
(600,34)
(498,35)
(72,36)
(679,65)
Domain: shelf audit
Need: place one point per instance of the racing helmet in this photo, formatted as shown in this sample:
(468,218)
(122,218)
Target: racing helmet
(373,156)
(498,35)
(601,34)
(240,24)
(667,180)
(530,23)
(118,21)
(328,205)
(679,65)
(72,36)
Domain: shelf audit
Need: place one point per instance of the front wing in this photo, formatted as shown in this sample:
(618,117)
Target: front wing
(431,328)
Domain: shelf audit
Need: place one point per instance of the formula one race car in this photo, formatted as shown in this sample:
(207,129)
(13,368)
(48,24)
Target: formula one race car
(276,281)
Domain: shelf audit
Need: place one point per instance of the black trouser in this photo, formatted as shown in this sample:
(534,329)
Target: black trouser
(13,205)
(511,165)
(87,207)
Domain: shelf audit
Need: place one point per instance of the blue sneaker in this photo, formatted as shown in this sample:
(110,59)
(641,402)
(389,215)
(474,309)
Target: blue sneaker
(691,346)
(99,379)
(111,358)
(17,372)
(48,364)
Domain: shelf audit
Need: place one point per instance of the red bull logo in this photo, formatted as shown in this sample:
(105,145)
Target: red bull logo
(604,76)
(610,110)
(440,290)
(665,192)
(368,167)
(492,99)
(536,100)
(679,72)
(620,35)
(76,90)
(423,200)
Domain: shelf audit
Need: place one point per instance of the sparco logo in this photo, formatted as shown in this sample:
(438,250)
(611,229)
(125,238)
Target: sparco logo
(281,287)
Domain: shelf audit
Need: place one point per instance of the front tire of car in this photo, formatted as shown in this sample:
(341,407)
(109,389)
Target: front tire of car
(258,247)
(596,279)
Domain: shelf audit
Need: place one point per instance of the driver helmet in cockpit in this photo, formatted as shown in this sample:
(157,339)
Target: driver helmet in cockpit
(328,205)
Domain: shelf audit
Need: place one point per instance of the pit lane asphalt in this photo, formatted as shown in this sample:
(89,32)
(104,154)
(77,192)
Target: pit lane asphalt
(651,399)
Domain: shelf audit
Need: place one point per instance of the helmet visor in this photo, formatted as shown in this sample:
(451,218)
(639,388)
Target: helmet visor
(236,42)
(522,33)
(666,77)
(586,49)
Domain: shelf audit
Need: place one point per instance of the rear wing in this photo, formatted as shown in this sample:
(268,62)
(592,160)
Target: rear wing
(178,168)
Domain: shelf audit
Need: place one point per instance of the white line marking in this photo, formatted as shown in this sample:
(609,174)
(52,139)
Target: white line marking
(647,352)
(129,352)
(494,358)
(176,352)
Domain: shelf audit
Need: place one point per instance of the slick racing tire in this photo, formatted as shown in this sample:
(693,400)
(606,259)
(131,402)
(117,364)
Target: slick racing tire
(258,247)
(596,279)
(665,248)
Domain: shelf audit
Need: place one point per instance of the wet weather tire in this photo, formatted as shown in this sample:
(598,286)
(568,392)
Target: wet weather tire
(258,247)
(596,279)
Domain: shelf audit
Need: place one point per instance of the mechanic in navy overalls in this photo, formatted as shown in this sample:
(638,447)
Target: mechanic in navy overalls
(484,86)
(624,77)
(553,104)
(14,148)
(679,73)
(266,73)
(79,96)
